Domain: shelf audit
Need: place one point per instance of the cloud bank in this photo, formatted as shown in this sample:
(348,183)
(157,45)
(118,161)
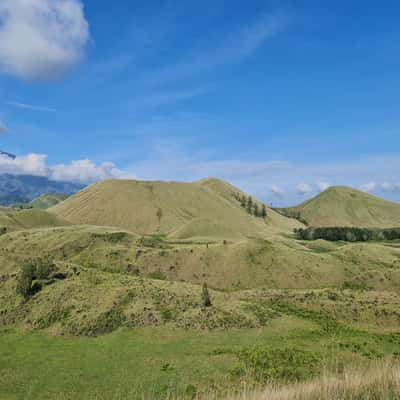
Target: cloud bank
(80,171)
(41,39)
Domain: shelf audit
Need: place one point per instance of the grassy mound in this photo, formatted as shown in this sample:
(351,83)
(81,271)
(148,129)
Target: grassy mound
(28,219)
(164,207)
(344,206)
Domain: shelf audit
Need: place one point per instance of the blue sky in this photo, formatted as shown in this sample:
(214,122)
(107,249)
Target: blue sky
(281,98)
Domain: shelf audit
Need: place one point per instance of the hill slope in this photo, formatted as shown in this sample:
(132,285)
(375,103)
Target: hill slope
(44,201)
(344,206)
(165,207)
(14,220)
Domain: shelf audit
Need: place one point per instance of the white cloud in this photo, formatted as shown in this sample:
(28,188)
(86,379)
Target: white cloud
(41,39)
(369,187)
(277,191)
(30,107)
(81,171)
(322,186)
(85,171)
(390,187)
(303,188)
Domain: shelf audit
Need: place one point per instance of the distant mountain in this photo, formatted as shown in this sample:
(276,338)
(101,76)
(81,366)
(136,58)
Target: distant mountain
(345,206)
(24,188)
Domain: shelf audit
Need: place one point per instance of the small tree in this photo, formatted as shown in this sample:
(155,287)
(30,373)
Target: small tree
(264,211)
(25,279)
(205,296)
(243,201)
(256,210)
(159,216)
(250,205)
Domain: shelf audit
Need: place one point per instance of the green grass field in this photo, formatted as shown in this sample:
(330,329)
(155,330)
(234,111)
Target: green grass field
(157,362)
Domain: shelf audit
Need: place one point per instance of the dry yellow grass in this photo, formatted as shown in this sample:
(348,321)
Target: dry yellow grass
(167,207)
(378,381)
(344,206)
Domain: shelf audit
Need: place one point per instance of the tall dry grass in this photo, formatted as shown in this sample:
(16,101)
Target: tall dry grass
(378,381)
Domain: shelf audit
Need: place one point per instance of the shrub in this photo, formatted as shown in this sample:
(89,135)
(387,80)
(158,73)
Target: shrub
(44,267)
(25,279)
(39,268)
(158,275)
(282,365)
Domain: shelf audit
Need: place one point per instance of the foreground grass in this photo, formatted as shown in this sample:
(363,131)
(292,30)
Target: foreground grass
(167,363)
(148,362)
(380,381)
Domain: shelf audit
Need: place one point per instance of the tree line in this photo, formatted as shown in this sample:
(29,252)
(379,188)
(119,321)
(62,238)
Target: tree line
(347,234)
(251,206)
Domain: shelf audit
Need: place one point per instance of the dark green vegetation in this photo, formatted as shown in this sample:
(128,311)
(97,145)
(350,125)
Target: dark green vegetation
(348,234)
(178,289)
(252,207)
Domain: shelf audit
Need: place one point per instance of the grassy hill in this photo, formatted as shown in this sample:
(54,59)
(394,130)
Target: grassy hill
(169,208)
(44,201)
(13,220)
(344,206)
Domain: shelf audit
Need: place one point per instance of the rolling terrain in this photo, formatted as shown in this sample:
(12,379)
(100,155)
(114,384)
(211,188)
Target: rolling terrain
(122,300)
(344,206)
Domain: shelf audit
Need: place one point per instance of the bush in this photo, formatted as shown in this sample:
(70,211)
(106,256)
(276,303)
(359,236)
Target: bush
(35,269)
(281,365)
(44,267)
(25,279)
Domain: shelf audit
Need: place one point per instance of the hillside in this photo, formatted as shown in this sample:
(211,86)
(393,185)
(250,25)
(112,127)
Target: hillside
(13,220)
(344,206)
(44,201)
(169,208)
